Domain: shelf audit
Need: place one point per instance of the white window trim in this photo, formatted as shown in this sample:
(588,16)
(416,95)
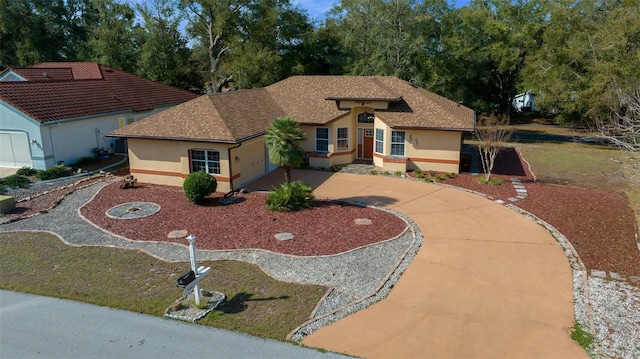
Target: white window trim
(338,139)
(322,139)
(206,161)
(403,143)
(376,140)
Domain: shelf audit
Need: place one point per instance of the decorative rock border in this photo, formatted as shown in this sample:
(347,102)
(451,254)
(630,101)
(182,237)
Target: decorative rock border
(189,312)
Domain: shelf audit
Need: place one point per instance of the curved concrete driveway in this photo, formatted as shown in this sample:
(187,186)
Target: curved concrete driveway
(487,282)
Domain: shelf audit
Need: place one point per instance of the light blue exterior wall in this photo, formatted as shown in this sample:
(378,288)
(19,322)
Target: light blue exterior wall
(12,120)
(66,140)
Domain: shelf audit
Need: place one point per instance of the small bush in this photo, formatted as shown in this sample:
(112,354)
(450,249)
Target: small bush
(86,161)
(398,173)
(15,181)
(450,175)
(581,336)
(26,171)
(54,172)
(386,173)
(199,185)
(290,197)
(490,182)
(373,172)
(418,173)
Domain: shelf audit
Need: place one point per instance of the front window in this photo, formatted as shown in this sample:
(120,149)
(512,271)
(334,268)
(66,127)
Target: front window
(397,143)
(366,117)
(208,161)
(379,140)
(322,139)
(343,139)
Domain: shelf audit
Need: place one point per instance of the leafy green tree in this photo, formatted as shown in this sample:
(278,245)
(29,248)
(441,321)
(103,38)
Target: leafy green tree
(283,139)
(33,31)
(164,55)
(212,22)
(589,54)
(485,48)
(113,37)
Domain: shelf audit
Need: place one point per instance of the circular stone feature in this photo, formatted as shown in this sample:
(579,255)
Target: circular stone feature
(133,210)
(283,236)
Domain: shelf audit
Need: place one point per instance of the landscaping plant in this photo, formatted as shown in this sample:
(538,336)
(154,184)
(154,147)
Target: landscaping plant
(287,197)
(26,171)
(199,185)
(15,181)
(54,172)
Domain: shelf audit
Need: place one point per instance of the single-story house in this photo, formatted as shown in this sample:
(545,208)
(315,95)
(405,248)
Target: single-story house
(58,112)
(380,119)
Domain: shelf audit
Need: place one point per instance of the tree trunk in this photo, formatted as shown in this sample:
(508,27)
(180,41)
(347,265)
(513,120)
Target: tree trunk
(287,174)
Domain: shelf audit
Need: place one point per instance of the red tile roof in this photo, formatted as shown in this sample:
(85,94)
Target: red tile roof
(237,115)
(75,90)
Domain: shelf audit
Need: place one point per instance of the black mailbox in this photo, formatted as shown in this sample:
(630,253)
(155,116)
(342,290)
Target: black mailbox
(185,279)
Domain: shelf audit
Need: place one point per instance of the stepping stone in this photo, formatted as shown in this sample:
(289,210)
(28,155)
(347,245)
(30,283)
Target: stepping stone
(499,201)
(598,273)
(512,199)
(179,233)
(363,221)
(616,276)
(634,279)
(521,197)
(283,236)
(519,188)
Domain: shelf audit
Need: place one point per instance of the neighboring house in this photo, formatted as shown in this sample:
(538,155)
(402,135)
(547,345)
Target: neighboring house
(61,111)
(383,120)
(524,102)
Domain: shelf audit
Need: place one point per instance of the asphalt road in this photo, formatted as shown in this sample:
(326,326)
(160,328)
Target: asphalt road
(41,327)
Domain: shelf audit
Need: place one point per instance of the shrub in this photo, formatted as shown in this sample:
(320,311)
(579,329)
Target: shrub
(450,175)
(15,181)
(386,173)
(373,172)
(491,182)
(26,171)
(439,178)
(398,173)
(418,173)
(198,185)
(293,196)
(54,172)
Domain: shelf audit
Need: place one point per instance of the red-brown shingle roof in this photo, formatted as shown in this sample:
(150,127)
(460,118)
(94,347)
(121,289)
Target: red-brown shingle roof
(93,90)
(237,115)
(221,117)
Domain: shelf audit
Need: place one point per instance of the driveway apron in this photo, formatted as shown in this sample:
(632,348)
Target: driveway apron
(487,282)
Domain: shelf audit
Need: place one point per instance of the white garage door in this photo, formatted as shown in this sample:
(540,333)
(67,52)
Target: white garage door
(14,150)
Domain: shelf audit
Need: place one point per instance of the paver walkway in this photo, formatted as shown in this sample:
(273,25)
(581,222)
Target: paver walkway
(487,283)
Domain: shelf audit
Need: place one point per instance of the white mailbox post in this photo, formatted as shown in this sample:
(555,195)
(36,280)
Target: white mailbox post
(200,272)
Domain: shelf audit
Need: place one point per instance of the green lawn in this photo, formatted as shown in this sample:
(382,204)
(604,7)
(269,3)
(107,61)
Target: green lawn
(582,166)
(39,263)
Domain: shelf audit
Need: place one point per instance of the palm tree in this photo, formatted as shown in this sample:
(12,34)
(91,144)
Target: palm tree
(283,138)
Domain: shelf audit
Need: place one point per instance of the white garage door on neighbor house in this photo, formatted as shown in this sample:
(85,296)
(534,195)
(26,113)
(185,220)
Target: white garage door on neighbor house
(14,150)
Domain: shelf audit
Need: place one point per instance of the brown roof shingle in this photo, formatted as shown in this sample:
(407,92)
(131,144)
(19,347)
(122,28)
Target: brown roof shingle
(221,117)
(94,89)
(237,115)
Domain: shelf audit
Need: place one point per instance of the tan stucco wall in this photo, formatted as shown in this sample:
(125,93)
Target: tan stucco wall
(428,150)
(250,163)
(167,162)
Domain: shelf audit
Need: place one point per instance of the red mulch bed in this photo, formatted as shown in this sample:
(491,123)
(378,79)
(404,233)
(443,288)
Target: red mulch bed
(327,228)
(599,224)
